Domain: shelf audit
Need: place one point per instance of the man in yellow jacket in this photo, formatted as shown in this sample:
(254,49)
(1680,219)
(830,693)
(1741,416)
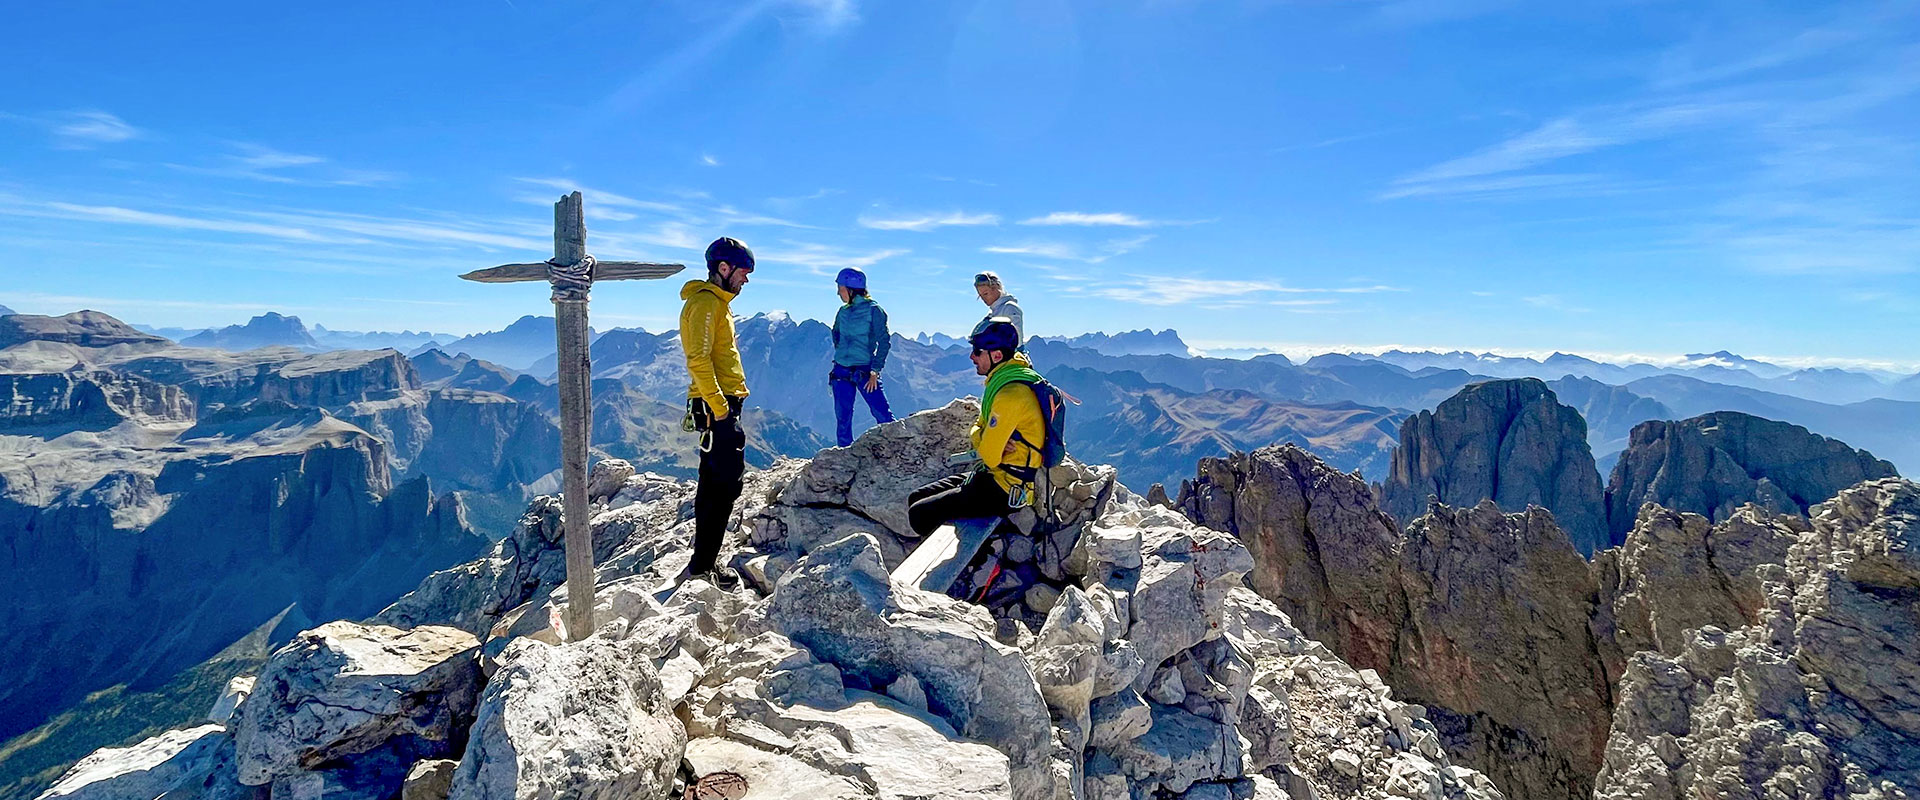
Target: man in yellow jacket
(1008,438)
(715,397)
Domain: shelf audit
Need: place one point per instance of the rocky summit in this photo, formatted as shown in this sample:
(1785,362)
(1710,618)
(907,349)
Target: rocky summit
(1715,463)
(1134,663)
(1509,441)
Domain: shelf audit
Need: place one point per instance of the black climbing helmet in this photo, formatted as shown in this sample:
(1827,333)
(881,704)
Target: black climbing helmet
(730,250)
(997,333)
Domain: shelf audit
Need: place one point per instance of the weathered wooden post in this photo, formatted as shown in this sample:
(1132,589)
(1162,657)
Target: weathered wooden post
(572,273)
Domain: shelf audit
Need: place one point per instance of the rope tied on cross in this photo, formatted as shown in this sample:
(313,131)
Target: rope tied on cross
(570,282)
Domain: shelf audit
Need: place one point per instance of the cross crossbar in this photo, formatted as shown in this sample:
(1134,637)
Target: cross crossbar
(602,271)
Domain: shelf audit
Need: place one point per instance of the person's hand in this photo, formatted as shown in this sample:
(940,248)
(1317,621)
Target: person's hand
(873,381)
(720,413)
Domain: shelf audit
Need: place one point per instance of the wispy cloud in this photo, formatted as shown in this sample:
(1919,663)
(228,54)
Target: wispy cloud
(829,14)
(1161,290)
(286,225)
(927,221)
(824,260)
(1065,252)
(78,130)
(1083,218)
(709,160)
(256,162)
(75,130)
(128,216)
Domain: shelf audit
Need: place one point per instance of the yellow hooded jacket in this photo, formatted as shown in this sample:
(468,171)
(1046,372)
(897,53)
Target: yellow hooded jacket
(706,334)
(1015,408)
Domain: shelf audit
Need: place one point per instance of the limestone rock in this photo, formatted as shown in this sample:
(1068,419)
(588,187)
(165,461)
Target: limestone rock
(1820,698)
(1486,588)
(429,780)
(191,764)
(863,487)
(1322,550)
(839,604)
(344,689)
(236,691)
(865,749)
(1715,463)
(607,478)
(585,720)
(1483,615)
(1677,573)
(89,400)
(1176,602)
(1509,441)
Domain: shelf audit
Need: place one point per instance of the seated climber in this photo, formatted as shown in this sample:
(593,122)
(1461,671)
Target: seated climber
(1008,439)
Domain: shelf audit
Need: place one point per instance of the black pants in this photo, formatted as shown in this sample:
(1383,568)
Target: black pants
(967,496)
(723,461)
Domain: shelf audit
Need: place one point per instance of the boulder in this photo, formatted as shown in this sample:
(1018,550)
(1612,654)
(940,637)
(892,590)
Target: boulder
(608,477)
(582,720)
(868,748)
(838,603)
(429,780)
(344,689)
(1177,598)
(236,691)
(864,487)
(192,764)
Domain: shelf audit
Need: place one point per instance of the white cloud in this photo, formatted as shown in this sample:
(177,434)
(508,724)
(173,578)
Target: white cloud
(823,260)
(1065,252)
(1160,290)
(928,221)
(1083,218)
(708,160)
(1568,136)
(83,129)
(128,216)
(595,196)
(261,163)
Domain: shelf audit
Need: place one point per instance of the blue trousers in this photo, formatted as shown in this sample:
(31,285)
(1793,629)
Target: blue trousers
(845,382)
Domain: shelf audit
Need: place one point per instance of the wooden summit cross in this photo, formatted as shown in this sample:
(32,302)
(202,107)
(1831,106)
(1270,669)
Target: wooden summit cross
(572,273)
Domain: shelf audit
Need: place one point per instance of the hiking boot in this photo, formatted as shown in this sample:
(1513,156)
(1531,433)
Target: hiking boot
(726,578)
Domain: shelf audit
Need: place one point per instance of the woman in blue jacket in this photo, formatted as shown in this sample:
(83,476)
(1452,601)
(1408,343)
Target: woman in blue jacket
(860,345)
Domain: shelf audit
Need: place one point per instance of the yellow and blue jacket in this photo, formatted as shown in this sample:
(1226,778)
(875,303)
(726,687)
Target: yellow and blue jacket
(1003,412)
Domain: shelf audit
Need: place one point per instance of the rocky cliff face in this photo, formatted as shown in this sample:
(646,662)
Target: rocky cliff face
(1816,697)
(1481,616)
(1516,644)
(1508,441)
(1152,673)
(90,400)
(133,563)
(1715,463)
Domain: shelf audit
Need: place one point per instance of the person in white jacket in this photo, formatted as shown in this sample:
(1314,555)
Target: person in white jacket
(999,304)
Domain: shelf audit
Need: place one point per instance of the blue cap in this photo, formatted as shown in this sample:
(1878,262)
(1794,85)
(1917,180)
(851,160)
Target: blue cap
(852,278)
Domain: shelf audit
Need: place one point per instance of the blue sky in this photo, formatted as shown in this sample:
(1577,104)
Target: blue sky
(1609,177)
